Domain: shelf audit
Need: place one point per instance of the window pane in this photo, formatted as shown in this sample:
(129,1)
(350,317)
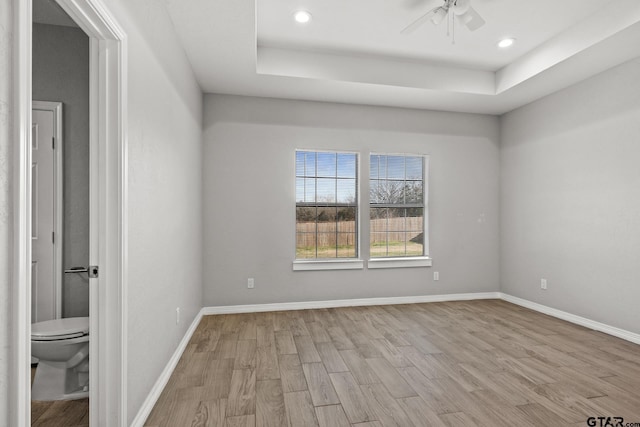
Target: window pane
(323,229)
(395,167)
(378,221)
(326,190)
(414,167)
(396,231)
(387,192)
(327,164)
(346,165)
(310,190)
(396,221)
(415,244)
(346,218)
(299,190)
(305,245)
(306,219)
(382,167)
(413,192)
(415,219)
(346,245)
(300,163)
(378,246)
(327,245)
(396,245)
(373,166)
(310,164)
(374,192)
(327,219)
(346,191)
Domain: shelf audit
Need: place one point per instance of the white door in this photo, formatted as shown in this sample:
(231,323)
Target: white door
(45,270)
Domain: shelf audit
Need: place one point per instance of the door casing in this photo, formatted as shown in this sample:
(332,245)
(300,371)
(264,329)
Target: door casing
(108,202)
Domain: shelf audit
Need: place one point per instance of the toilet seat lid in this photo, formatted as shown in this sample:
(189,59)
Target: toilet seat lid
(60,328)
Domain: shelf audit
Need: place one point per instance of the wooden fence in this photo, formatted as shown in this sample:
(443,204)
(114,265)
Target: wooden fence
(345,236)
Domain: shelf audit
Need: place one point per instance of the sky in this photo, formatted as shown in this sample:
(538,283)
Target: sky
(331,177)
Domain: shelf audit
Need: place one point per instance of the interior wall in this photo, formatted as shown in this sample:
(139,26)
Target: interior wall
(570,211)
(61,74)
(164,193)
(249,197)
(6,205)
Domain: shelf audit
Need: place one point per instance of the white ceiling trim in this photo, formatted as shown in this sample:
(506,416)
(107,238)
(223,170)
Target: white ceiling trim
(370,70)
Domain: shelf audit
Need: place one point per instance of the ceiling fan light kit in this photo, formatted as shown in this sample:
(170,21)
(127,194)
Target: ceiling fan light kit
(461,9)
(439,16)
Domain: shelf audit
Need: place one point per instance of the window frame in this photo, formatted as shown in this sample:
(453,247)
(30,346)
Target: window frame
(400,261)
(337,263)
(357,263)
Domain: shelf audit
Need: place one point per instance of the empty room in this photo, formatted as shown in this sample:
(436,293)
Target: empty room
(319,213)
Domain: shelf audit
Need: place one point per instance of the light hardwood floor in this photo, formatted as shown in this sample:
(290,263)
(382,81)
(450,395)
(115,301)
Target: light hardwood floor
(60,413)
(486,363)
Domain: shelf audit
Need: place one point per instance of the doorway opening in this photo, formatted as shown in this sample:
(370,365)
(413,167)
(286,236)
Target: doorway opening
(107,207)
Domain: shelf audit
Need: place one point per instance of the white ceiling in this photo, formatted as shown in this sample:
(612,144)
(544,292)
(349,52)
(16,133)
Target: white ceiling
(373,27)
(353,52)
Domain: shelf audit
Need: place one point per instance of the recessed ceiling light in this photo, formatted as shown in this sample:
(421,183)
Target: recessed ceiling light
(302,16)
(506,42)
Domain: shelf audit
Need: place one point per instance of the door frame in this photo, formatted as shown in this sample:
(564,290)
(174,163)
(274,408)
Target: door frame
(108,206)
(58,198)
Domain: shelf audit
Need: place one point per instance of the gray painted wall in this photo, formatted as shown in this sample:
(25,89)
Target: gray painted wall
(6,214)
(61,73)
(249,197)
(570,210)
(164,193)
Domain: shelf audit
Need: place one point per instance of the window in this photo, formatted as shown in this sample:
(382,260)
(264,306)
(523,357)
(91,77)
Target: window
(397,206)
(326,205)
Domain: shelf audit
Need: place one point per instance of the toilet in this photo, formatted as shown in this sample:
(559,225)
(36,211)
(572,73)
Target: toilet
(62,345)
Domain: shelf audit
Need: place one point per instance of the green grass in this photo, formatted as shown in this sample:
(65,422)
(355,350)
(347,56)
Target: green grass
(344,251)
(378,249)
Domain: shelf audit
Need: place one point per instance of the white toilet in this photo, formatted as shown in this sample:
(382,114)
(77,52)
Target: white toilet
(62,345)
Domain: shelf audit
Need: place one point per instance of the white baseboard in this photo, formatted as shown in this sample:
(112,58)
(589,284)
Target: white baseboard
(306,305)
(578,320)
(163,379)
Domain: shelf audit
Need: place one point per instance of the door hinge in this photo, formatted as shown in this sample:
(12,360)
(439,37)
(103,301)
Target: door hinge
(93,271)
(53,142)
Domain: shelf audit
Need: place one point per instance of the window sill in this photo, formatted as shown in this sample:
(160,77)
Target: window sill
(334,264)
(408,262)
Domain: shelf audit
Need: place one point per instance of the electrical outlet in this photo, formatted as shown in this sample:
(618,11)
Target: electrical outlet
(543,284)
(250,283)
(436,275)
(177,315)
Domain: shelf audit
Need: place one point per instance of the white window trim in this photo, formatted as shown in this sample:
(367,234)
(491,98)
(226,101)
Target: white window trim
(399,262)
(328,264)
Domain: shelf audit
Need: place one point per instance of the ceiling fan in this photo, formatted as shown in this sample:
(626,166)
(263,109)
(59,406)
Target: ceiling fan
(460,9)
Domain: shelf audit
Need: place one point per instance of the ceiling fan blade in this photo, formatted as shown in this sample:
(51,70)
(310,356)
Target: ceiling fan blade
(421,4)
(419,22)
(412,4)
(471,19)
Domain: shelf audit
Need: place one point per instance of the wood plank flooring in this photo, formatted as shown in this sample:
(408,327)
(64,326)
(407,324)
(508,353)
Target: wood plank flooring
(60,413)
(487,363)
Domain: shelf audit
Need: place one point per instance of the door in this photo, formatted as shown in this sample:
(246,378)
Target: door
(46,236)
